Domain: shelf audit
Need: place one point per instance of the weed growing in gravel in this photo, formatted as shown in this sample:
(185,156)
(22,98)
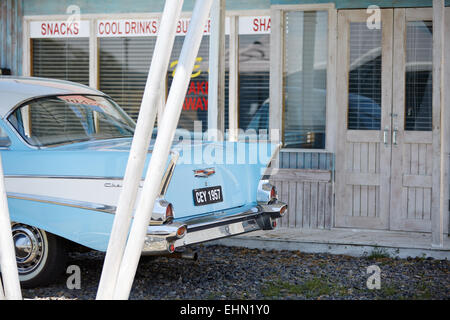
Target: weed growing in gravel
(311,288)
(388,292)
(422,292)
(378,253)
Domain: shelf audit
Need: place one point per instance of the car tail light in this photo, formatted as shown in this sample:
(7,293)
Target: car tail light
(163,212)
(181,231)
(273,193)
(267,193)
(283,210)
(171,248)
(169,212)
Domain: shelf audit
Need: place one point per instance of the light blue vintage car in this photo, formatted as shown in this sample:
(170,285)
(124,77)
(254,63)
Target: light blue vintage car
(65,148)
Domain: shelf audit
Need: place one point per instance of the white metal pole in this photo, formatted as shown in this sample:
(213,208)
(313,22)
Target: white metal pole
(8,264)
(139,148)
(216,78)
(233,91)
(437,215)
(2,294)
(166,132)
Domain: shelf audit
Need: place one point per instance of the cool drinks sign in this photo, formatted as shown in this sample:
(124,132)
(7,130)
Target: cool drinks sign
(140,27)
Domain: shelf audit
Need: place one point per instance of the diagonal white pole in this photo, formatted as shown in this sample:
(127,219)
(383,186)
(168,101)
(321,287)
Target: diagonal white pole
(2,294)
(139,148)
(8,264)
(166,132)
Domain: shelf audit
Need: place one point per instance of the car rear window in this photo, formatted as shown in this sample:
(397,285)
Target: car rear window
(63,119)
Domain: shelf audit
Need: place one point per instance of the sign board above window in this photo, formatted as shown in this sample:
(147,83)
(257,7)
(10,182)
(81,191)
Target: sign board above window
(142,27)
(254,25)
(59,29)
(149,27)
(135,27)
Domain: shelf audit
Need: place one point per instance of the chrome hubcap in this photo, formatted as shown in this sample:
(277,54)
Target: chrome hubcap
(28,242)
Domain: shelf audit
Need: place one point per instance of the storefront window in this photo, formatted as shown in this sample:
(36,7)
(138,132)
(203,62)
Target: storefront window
(254,81)
(123,67)
(195,106)
(305,78)
(65,59)
(125,48)
(419,76)
(364,84)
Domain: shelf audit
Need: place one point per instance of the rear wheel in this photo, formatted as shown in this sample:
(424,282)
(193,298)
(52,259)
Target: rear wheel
(40,256)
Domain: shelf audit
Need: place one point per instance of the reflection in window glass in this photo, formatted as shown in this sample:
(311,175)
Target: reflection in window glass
(195,107)
(419,66)
(364,84)
(305,74)
(254,66)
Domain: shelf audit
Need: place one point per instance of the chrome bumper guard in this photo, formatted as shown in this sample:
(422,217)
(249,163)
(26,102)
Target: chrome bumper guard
(165,238)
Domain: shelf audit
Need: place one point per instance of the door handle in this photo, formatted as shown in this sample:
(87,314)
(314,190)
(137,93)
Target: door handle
(394,136)
(385,136)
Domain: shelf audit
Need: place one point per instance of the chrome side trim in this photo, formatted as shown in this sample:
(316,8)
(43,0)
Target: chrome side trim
(155,220)
(267,172)
(63,202)
(169,173)
(62,177)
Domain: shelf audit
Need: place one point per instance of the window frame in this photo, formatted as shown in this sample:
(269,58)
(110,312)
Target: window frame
(233,85)
(277,105)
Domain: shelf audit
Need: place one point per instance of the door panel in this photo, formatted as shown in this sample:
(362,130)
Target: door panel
(363,153)
(412,144)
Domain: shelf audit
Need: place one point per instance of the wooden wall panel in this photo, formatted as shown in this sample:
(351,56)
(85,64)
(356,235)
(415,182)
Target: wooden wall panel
(11,35)
(308,194)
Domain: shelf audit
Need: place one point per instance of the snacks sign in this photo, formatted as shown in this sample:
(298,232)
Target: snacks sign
(59,29)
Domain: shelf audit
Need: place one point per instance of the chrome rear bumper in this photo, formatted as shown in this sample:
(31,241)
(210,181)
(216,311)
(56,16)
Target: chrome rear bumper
(165,238)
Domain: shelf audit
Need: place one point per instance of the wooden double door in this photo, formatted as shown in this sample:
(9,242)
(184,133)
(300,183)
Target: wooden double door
(387,159)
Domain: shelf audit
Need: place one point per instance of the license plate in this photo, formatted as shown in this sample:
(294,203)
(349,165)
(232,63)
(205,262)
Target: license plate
(207,195)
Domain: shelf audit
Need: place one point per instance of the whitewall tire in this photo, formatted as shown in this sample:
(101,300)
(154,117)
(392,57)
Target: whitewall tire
(40,255)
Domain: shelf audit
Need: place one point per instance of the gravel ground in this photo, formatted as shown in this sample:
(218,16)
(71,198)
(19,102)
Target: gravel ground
(239,273)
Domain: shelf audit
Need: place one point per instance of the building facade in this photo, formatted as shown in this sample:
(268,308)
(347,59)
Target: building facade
(351,86)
